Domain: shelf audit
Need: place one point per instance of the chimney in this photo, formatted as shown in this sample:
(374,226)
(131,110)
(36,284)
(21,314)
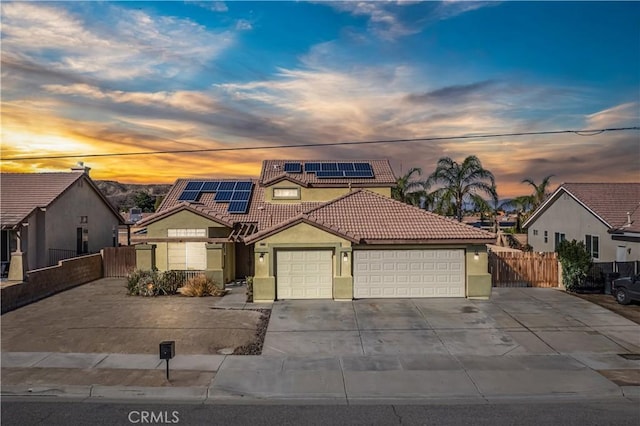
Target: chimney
(80,167)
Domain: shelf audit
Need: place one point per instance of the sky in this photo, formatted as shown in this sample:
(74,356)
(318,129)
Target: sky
(81,78)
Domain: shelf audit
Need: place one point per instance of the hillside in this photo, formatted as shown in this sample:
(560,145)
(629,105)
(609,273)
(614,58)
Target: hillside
(123,195)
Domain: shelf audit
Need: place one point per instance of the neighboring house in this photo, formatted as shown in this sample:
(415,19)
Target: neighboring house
(315,230)
(46,217)
(605,216)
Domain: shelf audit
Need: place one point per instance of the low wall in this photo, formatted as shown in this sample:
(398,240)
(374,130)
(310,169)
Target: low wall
(44,282)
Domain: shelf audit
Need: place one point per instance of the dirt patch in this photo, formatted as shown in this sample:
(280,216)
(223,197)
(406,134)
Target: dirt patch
(624,377)
(255,347)
(630,312)
(100,318)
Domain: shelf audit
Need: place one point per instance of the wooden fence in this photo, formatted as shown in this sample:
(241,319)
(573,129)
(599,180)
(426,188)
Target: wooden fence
(118,261)
(523,269)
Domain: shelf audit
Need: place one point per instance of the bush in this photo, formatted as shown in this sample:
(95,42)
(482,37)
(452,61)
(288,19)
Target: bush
(153,283)
(576,262)
(200,286)
(249,289)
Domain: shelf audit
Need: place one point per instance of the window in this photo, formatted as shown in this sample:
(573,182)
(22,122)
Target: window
(535,232)
(559,237)
(286,193)
(187,256)
(546,239)
(186,232)
(592,243)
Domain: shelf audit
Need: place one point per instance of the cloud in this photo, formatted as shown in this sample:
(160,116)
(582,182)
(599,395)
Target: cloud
(243,25)
(453,94)
(627,114)
(214,6)
(118,44)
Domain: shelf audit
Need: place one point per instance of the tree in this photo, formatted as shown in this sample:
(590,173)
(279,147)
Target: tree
(521,205)
(407,190)
(459,182)
(144,201)
(575,261)
(540,192)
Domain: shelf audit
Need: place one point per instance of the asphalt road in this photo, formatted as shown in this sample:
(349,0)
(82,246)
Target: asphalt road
(620,412)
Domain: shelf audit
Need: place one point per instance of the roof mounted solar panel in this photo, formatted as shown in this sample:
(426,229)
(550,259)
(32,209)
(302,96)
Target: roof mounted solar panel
(311,167)
(328,166)
(345,167)
(227,186)
(359,174)
(244,186)
(210,186)
(329,174)
(223,196)
(241,196)
(293,167)
(362,166)
(238,207)
(193,186)
(189,196)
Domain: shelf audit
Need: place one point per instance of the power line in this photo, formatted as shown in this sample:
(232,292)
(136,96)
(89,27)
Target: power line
(587,132)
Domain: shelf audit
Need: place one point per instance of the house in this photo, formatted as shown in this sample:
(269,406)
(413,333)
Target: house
(46,217)
(315,230)
(605,216)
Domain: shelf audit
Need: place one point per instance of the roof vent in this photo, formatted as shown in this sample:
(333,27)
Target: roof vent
(80,167)
(628,224)
(276,167)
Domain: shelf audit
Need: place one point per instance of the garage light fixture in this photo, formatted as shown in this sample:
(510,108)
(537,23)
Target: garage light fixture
(345,257)
(476,255)
(261,257)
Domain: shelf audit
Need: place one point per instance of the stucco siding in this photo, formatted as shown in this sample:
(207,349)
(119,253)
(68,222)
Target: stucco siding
(314,194)
(565,215)
(181,220)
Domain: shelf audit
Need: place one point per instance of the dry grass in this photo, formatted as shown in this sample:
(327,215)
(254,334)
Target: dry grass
(200,286)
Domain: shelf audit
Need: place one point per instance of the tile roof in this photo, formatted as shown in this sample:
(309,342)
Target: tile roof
(260,212)
(609,201)
(21,193)
(273,171)
(364,216)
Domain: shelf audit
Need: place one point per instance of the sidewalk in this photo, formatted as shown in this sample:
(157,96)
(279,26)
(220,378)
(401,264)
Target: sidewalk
(337,380)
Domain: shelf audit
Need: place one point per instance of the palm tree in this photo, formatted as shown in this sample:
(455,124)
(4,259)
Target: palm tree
(459,182)
(522,205)
(540,192)
(487,207)
(407,190)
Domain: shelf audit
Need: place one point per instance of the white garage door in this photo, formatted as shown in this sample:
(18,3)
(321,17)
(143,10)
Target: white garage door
(408,273)
(304,274)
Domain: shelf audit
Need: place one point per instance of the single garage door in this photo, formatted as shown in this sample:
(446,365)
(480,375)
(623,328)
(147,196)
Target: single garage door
(408,273)
(304,274)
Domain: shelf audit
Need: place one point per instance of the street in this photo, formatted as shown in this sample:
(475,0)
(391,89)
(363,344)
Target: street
(34,411)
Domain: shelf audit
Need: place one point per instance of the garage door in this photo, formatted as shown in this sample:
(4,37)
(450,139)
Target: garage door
(408,273)
(304,274)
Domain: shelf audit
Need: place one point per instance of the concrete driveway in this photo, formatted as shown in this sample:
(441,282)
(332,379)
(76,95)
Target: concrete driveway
(515,321)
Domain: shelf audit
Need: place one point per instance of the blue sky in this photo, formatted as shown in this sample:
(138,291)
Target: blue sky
(102,77)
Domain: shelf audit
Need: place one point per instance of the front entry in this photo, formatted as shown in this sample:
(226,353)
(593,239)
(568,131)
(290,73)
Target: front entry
(304,274)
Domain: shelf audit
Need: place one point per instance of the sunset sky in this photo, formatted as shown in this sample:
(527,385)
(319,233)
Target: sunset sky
(83,78)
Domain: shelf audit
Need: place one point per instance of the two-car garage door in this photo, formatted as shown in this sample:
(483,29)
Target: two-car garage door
(408,273)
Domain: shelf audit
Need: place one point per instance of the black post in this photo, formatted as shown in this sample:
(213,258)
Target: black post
(167,369)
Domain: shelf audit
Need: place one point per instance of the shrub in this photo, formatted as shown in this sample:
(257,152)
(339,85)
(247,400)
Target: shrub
(170,281)
(249,289)
(200,286)
(142,283)
(576,262)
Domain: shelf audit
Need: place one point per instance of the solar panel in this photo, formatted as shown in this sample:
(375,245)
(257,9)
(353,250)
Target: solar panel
(210,186)
(238,207)
(193,186)
(329,174)
(222,196)
(227,186)
(345,166)
(311,167)
(241,196)
(362,166)
(244,186)
(359,174)
(328,166)
(189,196)
(293,167)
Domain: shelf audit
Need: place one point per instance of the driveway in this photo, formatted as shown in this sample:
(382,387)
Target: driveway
(515,321)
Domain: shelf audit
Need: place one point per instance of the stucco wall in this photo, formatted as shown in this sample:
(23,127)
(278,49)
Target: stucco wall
(180,220)
(567,216)
(56,228)
(314,194)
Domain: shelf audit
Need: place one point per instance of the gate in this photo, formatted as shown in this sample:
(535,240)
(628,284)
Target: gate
(118,261)
(523,269)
